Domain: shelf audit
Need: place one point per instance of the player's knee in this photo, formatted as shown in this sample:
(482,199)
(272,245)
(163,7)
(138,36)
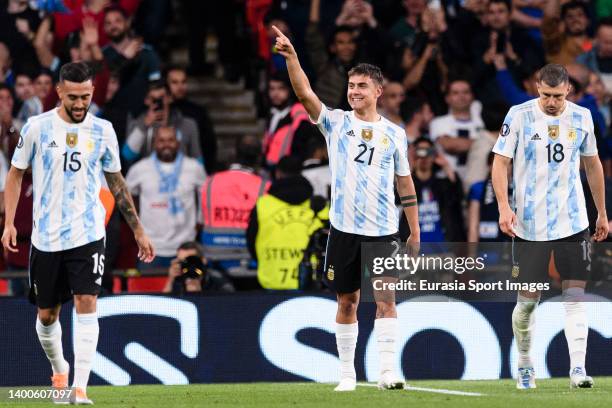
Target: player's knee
(47,316)
(347,305)
(85,303)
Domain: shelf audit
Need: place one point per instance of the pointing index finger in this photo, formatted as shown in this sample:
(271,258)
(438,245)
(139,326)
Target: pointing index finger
(278,32)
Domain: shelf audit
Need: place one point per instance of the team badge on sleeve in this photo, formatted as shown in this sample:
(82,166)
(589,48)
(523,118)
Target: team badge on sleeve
(72,139)
(366,134)
(505,130)
(553,131)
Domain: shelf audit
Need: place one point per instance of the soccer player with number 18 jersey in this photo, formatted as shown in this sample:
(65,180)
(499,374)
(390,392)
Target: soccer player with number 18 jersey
(545,140)
(69,150)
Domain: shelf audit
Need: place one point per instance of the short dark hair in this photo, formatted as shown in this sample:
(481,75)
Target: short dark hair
(368,70)
(574,4)
(423,139)
(289,166)
(553,75)
(155,85)
(506,2)
(75,72)
(4,86)
(340,29)
(192,245)
(606,21)
(115,8)
(248,150)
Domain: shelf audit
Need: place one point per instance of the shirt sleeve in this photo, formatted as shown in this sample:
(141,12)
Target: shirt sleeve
(26,147)
(435,129)
(588,147)
(400,157)
(476,190)
(328,119)
(110,158)
(507,141)
(3,171)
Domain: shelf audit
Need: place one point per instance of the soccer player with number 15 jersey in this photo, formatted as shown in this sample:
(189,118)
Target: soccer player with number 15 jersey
(69,149)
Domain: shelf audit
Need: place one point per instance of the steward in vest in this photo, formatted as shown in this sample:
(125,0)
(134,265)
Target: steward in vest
(227,200)
(281,225)
(288,127)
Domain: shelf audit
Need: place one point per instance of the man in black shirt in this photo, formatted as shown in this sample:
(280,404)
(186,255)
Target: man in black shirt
(176,81)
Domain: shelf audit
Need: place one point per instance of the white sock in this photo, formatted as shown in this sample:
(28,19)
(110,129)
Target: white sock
(523,322)
(386,334)
(85,343)
(576,325)
(50,338)
(346,340)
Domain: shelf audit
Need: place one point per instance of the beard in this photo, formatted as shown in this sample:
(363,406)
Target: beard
(167,155)
(118,37)
(70,113)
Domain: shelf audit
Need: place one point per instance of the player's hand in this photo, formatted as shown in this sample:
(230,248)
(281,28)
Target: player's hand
(413,243)
(283,46)
(9,238)
(602,228)
(507,220)
(146,252)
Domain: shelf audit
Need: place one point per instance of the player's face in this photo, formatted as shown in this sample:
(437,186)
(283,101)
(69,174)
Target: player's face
(362,92)
(575,21)
(498,16)
(278,93)
(552,99)
(166,145)
(75,98)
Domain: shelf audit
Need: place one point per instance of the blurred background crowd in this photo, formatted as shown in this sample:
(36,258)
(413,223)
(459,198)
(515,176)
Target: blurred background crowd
(229,174)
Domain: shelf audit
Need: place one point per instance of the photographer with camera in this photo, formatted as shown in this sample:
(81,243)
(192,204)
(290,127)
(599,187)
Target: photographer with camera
(139,142)
(188,273)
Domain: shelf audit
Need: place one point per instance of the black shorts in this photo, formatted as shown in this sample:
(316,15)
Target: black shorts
(56,276)
(571,256)
(343,262)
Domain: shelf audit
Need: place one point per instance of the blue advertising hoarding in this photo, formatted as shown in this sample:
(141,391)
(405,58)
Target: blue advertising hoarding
(290,337)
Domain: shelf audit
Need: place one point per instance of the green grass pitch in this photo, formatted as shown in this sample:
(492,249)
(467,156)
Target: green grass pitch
(551,393)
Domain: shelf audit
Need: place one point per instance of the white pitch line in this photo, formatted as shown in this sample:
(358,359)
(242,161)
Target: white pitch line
(434,390)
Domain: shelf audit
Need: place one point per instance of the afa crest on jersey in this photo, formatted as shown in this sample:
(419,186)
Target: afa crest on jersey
(572,135)
(367,134)
(72,139)
(553,131)
(330,273)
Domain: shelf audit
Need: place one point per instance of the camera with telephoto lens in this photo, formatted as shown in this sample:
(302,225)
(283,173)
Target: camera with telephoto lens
(192,267)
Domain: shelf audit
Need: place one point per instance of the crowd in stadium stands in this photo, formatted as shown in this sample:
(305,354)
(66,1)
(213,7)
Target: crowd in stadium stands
(452,70)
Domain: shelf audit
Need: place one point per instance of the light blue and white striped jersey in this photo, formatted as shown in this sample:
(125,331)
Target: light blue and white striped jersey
(363,158)
(548,197)
(67,161)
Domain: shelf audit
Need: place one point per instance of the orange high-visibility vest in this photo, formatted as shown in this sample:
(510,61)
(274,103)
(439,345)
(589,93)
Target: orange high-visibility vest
(227,200)
(278,144)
